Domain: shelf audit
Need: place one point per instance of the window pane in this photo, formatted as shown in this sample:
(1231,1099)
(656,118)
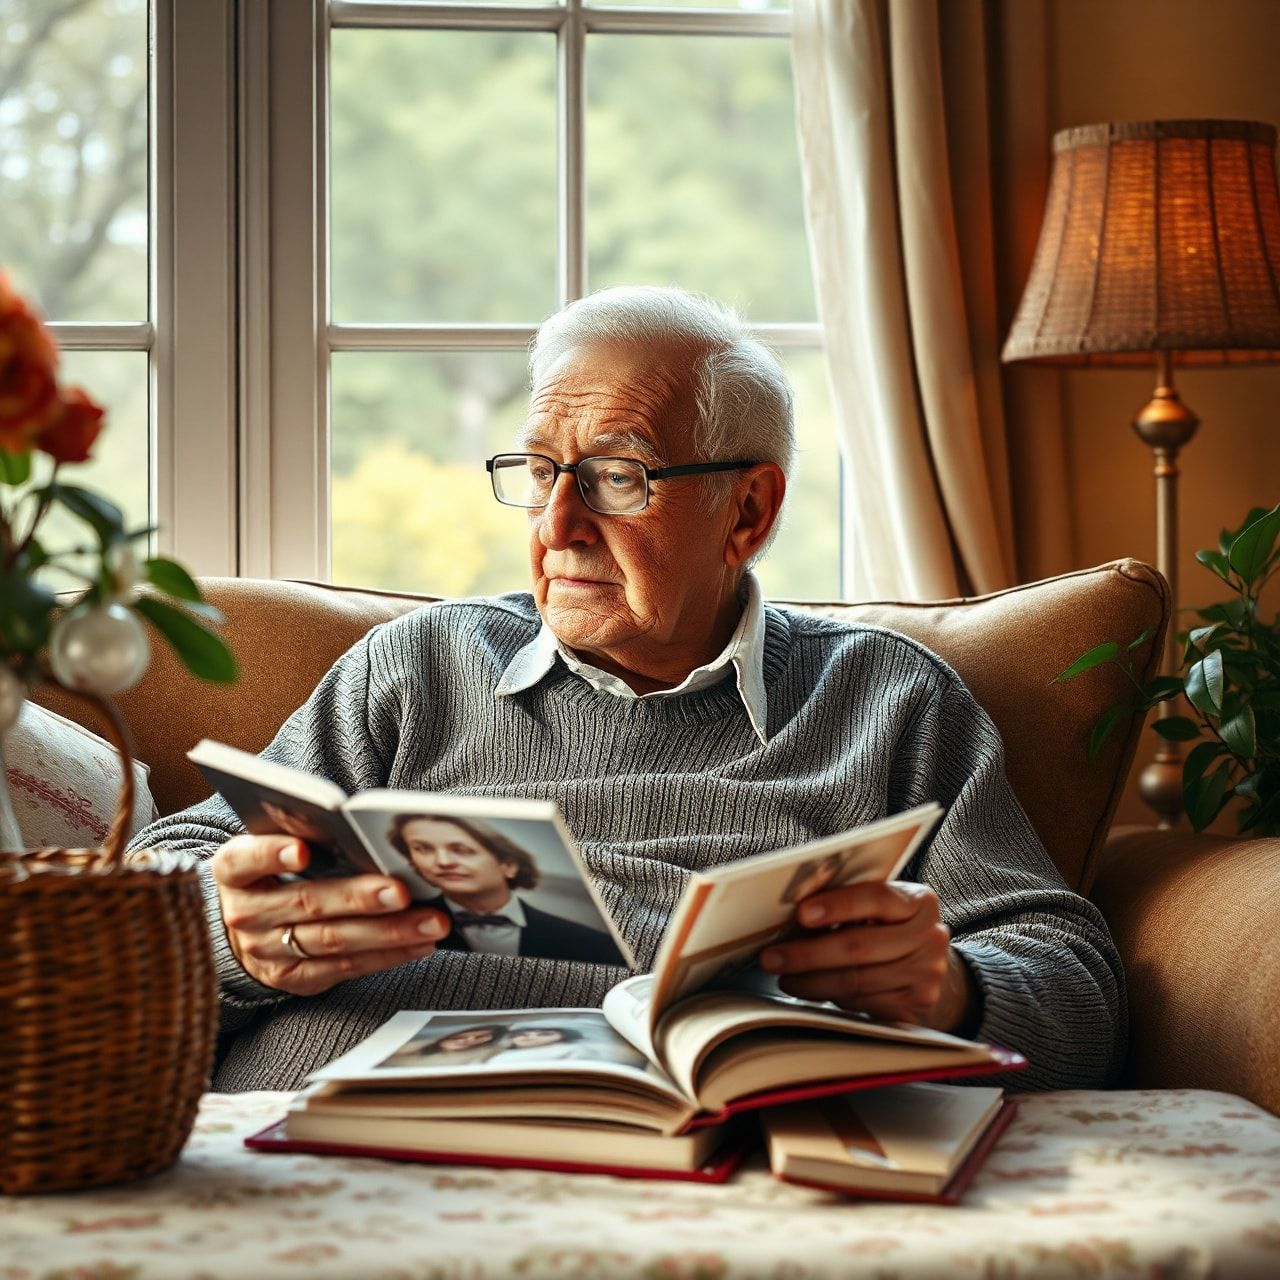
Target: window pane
(747,6)
(412,506)
(73,155)
(443,176)
(692,172)
(804,562)
(118,470)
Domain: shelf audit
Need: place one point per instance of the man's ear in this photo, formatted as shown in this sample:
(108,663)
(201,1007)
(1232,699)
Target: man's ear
(510,869)
(758,499)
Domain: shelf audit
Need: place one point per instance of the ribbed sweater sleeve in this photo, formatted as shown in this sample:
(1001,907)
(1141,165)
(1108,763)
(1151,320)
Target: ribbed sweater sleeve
(1050,977)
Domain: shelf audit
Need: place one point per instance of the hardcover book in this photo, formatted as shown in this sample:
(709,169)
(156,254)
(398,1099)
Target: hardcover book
(672,1053)
(903,1142)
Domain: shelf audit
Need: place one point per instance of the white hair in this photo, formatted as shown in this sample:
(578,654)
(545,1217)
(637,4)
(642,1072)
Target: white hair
(743,401)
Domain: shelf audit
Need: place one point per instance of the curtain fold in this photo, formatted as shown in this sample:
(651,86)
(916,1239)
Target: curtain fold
(894,117)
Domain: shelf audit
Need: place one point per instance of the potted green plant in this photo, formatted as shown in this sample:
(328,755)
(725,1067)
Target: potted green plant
(1230,680)
(105,962)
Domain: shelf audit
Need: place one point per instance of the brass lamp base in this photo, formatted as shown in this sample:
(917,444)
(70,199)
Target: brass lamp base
(1166,424)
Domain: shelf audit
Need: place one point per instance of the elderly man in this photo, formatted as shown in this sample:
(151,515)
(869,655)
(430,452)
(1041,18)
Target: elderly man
(677,720)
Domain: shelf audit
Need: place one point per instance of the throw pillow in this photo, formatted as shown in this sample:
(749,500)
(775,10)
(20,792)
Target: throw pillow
(64,782)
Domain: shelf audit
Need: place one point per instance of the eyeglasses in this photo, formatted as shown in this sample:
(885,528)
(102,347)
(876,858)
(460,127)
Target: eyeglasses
(609,486)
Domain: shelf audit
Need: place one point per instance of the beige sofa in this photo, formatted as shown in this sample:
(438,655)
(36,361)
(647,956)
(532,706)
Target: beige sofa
(1195,917)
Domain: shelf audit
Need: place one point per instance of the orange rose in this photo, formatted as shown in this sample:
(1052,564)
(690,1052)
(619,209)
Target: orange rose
(28,373)
(70,436)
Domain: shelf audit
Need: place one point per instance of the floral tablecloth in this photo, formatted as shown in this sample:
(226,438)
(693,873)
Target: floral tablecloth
(1083,1184)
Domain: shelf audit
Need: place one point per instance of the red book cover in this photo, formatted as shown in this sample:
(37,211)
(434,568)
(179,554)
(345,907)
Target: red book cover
(1006,1060)
(719,1169)
(951,1193)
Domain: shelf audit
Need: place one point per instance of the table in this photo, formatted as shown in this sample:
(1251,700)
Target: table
(1083,1184)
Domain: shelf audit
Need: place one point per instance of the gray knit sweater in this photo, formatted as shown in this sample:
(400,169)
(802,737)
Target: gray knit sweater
(862,722)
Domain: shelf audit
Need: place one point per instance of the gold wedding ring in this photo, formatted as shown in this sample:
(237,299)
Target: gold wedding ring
(291,943)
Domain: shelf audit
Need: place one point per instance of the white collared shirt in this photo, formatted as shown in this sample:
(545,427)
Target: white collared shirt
(495,939)
(743,656)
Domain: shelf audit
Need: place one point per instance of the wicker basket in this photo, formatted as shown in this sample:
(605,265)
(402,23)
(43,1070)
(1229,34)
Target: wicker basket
(108,1004)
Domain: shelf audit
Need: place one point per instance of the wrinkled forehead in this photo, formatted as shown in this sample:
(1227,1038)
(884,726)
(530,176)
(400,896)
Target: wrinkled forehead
(614,398)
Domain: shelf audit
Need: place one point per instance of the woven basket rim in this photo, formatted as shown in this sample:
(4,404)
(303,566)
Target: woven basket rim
(24,868)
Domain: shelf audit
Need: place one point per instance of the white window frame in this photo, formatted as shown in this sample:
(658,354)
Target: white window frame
(190,335)
(286,339)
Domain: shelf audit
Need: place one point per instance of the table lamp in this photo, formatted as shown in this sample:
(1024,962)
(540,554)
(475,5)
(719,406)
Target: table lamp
(1160,243)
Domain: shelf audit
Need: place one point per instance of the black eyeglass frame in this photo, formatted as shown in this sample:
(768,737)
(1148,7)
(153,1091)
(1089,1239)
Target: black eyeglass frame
(650,474)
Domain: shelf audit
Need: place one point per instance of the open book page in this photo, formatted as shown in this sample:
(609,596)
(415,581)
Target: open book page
(626,1007)
(726,916)
(506,871)
(605,1101)
(488,1048)
(707,1046)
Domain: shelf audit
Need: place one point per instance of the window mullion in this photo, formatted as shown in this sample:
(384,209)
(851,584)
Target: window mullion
(193,285)
(571,177)
(288,524)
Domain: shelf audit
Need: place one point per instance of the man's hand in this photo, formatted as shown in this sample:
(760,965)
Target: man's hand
(347,927)
(881,949)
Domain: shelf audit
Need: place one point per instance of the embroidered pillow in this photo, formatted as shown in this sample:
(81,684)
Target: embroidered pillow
(64,782)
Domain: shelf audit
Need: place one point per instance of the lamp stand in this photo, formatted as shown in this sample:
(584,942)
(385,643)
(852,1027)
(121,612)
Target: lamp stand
(1166,424)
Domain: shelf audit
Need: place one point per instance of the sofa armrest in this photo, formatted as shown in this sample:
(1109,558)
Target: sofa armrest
(1196,919)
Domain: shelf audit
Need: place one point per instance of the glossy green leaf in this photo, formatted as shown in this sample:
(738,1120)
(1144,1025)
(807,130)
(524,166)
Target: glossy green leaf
(1231,612)
(15,468)
(104,517)
(1087,661)
(1199,635)
(1254,513)
(1205,800)
(1176,729)
(26,610)
(1162,688)
(1239,731)
(201,652)
(1217,562)
(1204,684)
(1198,760)
(1139,640)
(1251,550)
(171,578)
(1265,816)
(1104,724)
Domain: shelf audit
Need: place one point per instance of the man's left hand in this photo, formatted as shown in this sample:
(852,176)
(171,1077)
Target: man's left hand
(881,949)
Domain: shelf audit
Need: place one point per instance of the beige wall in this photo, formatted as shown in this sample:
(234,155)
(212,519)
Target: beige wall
(1162,59)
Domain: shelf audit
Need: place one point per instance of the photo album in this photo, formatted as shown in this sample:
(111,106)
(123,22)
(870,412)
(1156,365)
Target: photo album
(505,871)
(656,1081)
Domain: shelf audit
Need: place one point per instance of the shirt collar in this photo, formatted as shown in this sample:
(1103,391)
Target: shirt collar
(743,656)
(511,910)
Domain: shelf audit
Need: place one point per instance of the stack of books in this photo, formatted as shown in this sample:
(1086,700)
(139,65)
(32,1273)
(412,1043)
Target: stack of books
(662,1080)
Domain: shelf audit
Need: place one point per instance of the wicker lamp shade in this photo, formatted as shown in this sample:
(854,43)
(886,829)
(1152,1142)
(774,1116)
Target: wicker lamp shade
(1157,236)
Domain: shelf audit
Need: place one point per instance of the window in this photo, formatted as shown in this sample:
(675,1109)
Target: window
(75,236)
(299,251)
(100,161)
(482,168)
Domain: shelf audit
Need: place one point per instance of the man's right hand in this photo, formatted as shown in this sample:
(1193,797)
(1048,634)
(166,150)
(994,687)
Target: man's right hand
(347,927)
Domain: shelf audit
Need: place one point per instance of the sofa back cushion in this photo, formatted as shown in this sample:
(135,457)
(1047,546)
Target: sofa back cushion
(1007,647)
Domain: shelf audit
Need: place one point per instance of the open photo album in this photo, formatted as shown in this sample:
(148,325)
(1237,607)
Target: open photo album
(505,871)
(672,1054)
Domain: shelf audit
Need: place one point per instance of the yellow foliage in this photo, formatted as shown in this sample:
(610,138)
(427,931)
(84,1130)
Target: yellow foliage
(404,522)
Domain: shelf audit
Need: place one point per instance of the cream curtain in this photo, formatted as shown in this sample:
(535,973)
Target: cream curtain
(895,120)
